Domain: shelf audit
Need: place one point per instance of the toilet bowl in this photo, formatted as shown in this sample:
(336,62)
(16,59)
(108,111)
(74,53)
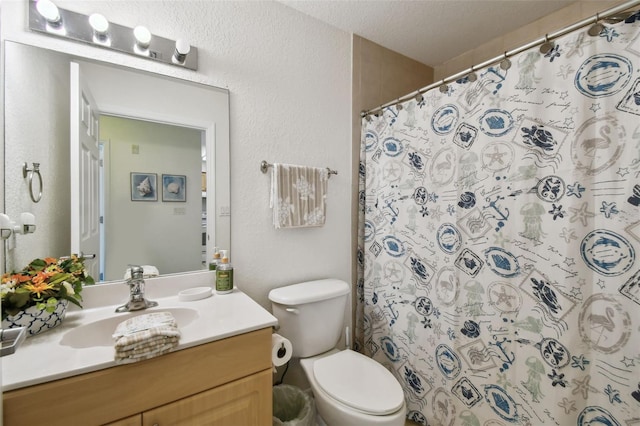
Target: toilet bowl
(349,388)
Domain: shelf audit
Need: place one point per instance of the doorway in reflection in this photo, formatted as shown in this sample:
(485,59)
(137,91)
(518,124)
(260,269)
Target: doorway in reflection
(152,191)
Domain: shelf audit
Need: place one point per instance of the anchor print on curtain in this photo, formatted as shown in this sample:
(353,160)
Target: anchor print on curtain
(500,231)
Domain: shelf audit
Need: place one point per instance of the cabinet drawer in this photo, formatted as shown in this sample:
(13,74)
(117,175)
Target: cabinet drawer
(246,402)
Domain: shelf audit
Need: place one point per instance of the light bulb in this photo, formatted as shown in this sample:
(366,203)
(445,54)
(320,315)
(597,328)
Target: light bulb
(182,49)
(50,12)
(143,36)
(99,24)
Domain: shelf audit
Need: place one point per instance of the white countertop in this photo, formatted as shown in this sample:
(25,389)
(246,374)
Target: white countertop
(48,356)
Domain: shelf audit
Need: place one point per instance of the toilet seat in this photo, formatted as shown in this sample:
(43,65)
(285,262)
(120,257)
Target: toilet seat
(359,382)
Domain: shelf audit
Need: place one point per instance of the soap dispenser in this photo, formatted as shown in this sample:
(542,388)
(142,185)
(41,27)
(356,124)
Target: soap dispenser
(224,275)
(216,259)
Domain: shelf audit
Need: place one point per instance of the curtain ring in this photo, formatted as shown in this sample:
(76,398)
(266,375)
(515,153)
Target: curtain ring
(443,87)
(505,64)
(596,28)
(30,172)
(472,75)
(547,45)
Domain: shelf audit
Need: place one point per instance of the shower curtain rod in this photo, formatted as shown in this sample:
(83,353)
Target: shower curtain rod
(548,37)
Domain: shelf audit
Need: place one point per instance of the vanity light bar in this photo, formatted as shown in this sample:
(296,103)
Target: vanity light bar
(97,31)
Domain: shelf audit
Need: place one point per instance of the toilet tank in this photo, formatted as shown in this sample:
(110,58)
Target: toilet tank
(311,314)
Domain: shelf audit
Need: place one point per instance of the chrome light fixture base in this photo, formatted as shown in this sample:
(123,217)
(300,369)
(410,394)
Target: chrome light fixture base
(76,26)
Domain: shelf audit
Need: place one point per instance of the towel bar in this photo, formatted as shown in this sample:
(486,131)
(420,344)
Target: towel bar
(264,166)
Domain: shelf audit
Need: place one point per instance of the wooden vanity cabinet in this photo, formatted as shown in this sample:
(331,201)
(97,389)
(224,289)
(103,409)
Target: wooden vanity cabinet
(226,382)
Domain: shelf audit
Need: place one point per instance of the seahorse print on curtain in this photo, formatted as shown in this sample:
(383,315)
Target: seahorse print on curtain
(499,237)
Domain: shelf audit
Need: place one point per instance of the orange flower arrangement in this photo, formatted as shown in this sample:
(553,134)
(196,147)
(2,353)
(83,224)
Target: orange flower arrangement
(42,283)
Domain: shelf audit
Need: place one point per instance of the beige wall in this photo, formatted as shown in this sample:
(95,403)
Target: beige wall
(549,24)
(379,75)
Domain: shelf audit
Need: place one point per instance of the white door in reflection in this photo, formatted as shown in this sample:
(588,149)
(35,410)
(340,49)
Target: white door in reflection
(85,163)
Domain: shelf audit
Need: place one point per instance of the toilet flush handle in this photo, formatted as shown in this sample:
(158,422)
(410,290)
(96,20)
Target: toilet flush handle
(293,310)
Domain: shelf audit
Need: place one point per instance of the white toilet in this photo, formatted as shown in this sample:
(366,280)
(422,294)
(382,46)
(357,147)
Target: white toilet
(349,388)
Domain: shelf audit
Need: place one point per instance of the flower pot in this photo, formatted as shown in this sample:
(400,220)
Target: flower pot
(37,320)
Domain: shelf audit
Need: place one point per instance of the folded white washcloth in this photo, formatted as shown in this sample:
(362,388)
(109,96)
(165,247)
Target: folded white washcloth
(145,322)
(145,336)
(148,271)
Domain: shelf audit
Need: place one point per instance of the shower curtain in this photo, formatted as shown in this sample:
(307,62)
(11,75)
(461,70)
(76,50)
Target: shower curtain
(499,236)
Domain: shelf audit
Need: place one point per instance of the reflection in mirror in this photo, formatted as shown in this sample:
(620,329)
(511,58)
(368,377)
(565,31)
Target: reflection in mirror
(95,128)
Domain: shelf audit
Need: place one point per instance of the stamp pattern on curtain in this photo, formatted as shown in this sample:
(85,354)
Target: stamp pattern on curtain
(500,231)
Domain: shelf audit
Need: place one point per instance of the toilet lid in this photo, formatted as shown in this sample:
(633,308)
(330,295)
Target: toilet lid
(359,382)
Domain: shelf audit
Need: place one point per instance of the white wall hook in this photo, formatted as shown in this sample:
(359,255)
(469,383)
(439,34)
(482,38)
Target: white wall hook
(6,226)
(26,225)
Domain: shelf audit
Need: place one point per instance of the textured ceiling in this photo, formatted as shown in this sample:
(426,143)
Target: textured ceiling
(428,31)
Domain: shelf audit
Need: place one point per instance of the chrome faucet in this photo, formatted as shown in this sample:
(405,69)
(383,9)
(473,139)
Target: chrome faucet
(137,300)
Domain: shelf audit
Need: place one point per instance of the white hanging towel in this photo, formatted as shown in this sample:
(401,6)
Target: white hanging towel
(298,196)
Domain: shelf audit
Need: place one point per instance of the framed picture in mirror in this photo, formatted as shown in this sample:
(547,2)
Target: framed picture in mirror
(144,186)
(174,188)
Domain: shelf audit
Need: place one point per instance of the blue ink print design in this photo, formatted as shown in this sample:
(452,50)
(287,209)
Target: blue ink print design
(448,362)
(502,262)
(419,268)
(603,75)
(551,188)
(471,329)
(390,349)
(545,294)
(466,392)
(393,246)
(634,200)
(469,263)
(636,393)
(467,200)
(553,53)
(449,238)
(465,136)
(539,137)
(416,161)
(593,415)
(496,122)
(607,252)
(423,306)
(413,380)
(501,403)
(554,353)
(444,119)
(392,147)
(371,140)
(420,195)
(417,417)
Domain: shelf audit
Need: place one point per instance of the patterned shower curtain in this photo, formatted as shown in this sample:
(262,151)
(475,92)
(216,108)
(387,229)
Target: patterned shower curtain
(500,228)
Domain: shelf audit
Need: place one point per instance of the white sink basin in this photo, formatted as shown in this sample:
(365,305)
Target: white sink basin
(98,333)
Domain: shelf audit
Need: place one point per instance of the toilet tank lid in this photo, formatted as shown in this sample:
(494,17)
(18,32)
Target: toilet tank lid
(309,291)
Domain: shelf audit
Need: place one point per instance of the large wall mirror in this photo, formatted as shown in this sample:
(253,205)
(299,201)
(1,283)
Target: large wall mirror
(135,165)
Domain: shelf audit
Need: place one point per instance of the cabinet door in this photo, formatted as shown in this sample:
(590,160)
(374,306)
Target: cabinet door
(129,421)
(247,401)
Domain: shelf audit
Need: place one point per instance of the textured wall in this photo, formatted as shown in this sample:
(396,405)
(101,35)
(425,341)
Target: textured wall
(526,34)
(25,123)
(289,82)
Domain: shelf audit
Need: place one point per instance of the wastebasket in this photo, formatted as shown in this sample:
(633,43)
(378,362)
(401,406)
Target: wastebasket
(292,407)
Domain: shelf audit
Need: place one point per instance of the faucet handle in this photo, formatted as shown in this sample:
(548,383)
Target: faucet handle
(137,272)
